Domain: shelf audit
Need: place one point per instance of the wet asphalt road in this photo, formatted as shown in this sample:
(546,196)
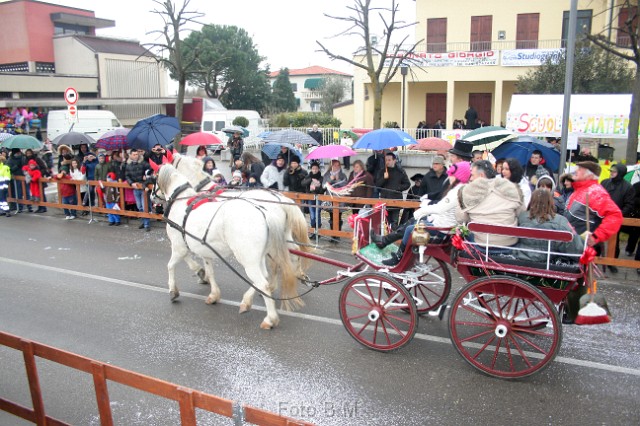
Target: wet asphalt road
(101,292)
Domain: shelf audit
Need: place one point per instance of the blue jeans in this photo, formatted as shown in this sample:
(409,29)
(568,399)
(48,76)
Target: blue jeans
(139,195)
(73,200)
(314,213)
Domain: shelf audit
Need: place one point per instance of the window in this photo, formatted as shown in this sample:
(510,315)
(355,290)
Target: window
(219,125)
(623,30)
(60,28)
(315,106)
(481,33)
(437,35)
(207,126)
(294,87)
(527,30)
(583,26)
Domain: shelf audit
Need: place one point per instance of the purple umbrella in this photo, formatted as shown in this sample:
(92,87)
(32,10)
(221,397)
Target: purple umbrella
(114,140)
(330,151)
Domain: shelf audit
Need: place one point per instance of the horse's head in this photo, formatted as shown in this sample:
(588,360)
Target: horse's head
(192,168)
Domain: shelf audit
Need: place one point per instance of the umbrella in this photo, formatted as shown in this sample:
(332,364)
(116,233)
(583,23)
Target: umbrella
(150,131)
(114,140)
(290,136)
(330,151)
(353,135)
(201,138)
(384,138)
(22,142)
(633,174)
(264,134)
(5,135)
(236,129)
(431,144)
(522,147)
(273,149)
(488,134)
(73,139)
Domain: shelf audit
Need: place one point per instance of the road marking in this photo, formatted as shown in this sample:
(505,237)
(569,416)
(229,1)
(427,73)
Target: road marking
(316,318)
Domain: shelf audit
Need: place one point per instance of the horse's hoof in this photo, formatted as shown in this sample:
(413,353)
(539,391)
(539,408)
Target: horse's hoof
(174,294)
(265,325)
(244,308)
(211,300)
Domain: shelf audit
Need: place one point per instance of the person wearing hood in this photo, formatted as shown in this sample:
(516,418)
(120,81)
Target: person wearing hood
(623,194)
(62,150)
(209,165)
(16,163)
(546,182)
(34,174)
(253,181)
(312,184)
(89,164)
(565,188)
(489,200)
(294,176)
(83,149)
(273,175)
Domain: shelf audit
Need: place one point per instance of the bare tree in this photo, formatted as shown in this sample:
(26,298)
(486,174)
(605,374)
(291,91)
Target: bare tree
(381,64)
(625,46)
(169,50)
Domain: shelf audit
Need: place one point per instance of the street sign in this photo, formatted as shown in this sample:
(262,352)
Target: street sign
(72,114)
(71,96)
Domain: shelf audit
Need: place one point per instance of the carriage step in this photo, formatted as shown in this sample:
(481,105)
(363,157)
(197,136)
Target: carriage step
(439,312)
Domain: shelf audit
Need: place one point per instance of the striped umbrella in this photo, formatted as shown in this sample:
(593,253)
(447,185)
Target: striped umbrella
(114,140)
(488,134)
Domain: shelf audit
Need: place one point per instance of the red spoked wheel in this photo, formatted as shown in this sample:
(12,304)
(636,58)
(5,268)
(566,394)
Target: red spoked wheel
(505,327)
(378,312)
(429,283)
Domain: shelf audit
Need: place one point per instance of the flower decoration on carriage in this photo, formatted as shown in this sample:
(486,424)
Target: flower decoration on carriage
(460,234)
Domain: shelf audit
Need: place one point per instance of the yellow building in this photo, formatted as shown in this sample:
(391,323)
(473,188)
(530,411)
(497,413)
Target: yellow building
(473,53)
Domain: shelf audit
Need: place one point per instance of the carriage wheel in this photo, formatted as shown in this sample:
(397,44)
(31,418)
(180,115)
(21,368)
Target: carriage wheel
(505,327)
(378,312)
(429,283)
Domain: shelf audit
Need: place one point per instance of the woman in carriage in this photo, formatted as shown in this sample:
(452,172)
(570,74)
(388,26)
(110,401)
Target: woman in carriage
(440,215)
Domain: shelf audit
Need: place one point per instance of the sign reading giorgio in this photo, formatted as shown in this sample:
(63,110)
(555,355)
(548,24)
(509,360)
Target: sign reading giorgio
(451,59)
(529,57)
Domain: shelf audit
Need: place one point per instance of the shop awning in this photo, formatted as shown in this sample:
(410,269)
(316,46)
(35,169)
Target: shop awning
(313,83)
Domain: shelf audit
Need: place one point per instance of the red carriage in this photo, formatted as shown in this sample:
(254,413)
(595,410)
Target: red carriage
(505,321)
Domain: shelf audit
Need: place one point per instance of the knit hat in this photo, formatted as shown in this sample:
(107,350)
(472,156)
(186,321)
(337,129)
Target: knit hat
(591,166)
(237,173)
(215,172)
(461,171)
(111,176)
(438,159)
(294,158)
(33,163)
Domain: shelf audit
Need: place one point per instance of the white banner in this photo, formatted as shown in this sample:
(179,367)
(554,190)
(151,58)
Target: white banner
(529,57)
(451,59)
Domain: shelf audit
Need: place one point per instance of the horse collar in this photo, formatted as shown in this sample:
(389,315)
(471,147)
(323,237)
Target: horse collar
(179,189)
(202,183)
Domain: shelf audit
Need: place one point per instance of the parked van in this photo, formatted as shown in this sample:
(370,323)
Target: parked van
(93,122)
(215,121)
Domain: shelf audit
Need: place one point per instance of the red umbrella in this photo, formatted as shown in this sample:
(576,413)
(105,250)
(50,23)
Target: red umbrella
(431,144)
(201,138)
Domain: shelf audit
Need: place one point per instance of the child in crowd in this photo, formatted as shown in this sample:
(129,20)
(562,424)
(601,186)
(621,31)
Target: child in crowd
(112,198)
(33,175)
(218,178)
(236,179)
(209,165)
(254,181)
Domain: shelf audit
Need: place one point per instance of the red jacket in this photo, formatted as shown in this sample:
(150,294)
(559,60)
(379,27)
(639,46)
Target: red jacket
(34,187)
(605,217)
(66,190)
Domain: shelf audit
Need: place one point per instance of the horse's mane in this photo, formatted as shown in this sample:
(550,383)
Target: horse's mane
(195,165)
(164,176)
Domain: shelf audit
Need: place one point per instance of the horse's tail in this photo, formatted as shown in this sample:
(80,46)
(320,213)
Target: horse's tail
(299,231)
(279,252)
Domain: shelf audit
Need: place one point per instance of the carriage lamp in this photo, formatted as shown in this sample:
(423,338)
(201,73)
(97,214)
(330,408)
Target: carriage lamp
(420,237)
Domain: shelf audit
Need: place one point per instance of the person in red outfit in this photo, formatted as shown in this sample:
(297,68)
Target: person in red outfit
(35,174)
(605,217)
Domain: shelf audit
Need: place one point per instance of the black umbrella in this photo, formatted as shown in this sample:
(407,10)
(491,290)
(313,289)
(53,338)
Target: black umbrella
(73,139)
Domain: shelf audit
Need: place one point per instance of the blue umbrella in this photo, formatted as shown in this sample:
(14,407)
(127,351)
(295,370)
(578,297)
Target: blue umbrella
(150,131)
(383,139)
(272,150)
(522,147)
(236,129)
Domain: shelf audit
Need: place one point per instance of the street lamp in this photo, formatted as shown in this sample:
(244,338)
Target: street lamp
(403,70)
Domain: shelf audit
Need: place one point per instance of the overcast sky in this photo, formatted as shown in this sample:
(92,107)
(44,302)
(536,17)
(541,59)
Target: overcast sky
(284,31)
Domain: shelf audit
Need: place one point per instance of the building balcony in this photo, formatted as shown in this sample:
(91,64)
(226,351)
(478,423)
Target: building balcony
(478,46)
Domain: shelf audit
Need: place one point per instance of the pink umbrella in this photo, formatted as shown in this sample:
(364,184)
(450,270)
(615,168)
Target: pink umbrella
(330,151)
(431,144)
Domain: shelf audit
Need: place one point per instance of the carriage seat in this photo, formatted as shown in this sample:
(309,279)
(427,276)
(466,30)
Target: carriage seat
(520,232)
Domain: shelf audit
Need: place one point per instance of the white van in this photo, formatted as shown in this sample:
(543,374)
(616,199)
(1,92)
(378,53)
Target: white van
(93,122)
(215,121)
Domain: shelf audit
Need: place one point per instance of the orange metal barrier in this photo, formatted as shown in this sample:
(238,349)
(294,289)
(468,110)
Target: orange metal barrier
(187,399)
(337,206)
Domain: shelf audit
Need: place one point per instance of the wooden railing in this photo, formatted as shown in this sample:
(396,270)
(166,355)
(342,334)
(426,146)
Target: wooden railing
(338,205)
(188,399)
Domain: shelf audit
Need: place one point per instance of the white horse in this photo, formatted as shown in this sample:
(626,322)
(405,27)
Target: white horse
(274,203)
(234,226)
